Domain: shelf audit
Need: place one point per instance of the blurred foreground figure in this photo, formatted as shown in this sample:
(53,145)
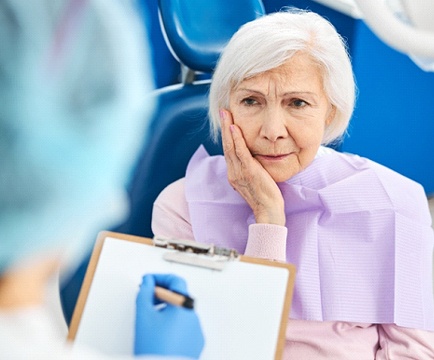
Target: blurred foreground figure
(74,76)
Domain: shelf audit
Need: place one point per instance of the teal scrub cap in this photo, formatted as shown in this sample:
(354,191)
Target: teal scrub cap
(75,78)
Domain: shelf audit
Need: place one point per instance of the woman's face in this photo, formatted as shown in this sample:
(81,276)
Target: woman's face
(282,114)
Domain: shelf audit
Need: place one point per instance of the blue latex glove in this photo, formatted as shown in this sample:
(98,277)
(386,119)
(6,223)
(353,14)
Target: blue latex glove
(173,330)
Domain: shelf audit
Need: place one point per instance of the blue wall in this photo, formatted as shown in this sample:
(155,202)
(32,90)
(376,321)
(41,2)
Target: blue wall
(393,123)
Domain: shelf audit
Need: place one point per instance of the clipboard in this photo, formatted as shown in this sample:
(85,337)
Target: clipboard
(243,303)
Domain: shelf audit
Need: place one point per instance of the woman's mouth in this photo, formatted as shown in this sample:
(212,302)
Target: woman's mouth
(278,157)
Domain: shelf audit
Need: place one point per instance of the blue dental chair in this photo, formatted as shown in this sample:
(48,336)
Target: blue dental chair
(196,32)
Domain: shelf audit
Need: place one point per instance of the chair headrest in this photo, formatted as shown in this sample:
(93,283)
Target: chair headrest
(196,31)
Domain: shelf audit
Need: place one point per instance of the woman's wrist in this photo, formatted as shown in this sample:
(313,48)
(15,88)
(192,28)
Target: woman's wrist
(274,217)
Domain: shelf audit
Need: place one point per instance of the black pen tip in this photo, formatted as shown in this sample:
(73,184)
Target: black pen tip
(188,303)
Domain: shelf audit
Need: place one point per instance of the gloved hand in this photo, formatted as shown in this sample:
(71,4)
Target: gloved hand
(173,330)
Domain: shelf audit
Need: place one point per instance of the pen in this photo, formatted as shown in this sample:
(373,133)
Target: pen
(174,298)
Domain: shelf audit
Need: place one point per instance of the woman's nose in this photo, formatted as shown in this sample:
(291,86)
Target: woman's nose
(274,125)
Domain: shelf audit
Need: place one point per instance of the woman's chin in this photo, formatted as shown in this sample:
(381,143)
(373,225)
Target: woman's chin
(282,175)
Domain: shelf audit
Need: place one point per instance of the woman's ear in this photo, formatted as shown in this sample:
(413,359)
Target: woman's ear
(331,114)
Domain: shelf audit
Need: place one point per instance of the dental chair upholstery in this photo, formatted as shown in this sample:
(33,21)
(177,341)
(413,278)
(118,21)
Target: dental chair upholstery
(196,32)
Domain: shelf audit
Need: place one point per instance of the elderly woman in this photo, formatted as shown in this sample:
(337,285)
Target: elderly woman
(358,232)
(74,79)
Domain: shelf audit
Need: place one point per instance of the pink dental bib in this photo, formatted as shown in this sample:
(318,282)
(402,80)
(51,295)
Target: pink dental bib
(360,235)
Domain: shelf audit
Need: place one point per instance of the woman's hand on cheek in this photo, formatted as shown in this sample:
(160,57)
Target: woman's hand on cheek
(248,177)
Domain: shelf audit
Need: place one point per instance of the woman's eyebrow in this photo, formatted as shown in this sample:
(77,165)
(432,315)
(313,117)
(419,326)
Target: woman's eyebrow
(247,90)
(312,96)
(308,93)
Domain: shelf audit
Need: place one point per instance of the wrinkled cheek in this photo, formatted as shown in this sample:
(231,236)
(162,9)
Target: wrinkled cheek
(250,135)
(248,120)
(308,155)
(308,137)
(308,142)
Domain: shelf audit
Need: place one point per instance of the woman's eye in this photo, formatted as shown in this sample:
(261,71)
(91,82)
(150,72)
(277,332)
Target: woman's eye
(249,101)
(298,103)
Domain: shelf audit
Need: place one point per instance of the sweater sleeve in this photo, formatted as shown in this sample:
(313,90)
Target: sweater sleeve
(267,241)
(170,216)
(403,343)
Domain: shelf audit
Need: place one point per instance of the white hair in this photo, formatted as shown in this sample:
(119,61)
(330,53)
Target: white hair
(74,76)
(268,42)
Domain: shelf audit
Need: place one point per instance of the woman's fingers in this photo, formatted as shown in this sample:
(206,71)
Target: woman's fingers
(227,141)
(234,146)
(241,151)
(244,172)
